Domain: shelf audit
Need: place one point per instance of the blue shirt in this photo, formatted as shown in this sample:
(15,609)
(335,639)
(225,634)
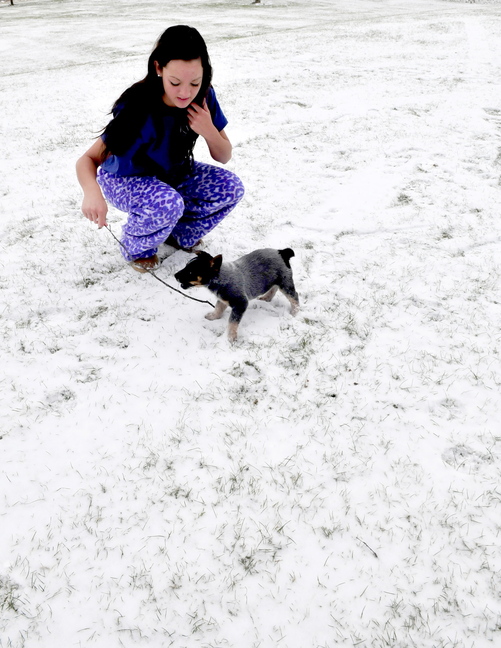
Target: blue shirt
(152,154)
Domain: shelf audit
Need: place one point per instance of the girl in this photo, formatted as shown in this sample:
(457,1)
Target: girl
(143,162)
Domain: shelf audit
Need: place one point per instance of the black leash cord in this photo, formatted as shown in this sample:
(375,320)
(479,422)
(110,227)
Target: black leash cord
(201,301)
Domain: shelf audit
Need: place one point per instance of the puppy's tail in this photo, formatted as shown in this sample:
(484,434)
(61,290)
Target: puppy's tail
(286,256)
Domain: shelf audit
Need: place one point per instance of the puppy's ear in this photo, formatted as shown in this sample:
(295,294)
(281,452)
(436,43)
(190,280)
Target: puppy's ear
(201,253)
(216,262)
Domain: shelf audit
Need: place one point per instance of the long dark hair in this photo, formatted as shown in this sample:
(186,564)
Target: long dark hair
(144,98)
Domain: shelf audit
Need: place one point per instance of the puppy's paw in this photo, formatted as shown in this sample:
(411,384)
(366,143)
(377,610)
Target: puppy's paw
(232,333)
(218,311)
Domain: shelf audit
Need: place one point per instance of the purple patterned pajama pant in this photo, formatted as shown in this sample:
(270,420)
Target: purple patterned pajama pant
(156,210)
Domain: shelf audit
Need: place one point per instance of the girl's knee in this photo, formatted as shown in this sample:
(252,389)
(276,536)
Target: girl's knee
(232,185)
(235,189)
(160,202)
(239,189)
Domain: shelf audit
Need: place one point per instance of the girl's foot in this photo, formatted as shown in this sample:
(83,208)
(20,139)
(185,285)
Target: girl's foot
(173,243)
(145,265)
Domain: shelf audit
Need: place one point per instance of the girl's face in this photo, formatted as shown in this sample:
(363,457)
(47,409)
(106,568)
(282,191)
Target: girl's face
(181,80)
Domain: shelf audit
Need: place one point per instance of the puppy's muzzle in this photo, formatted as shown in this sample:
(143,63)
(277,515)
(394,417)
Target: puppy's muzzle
(184,284)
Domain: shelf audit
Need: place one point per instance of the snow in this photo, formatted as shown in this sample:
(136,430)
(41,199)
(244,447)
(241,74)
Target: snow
(333,479)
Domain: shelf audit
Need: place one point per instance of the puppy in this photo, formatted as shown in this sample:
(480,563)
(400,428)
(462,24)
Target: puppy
(256,275)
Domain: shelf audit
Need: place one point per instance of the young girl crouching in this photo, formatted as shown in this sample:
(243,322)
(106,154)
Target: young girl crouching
(143,161)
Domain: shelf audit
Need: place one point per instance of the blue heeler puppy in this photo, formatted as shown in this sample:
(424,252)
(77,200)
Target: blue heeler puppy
(256,275)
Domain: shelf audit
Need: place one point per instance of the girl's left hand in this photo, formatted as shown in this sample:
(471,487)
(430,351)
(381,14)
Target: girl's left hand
(200,120)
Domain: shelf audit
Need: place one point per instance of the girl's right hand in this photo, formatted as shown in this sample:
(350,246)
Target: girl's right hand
(94,205)
(95,208)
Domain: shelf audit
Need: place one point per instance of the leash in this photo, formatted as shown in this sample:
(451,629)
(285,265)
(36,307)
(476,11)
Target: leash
(201,301)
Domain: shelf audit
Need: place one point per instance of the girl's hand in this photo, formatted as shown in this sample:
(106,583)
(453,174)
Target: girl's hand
(200,120)
(94,208)
(94,205)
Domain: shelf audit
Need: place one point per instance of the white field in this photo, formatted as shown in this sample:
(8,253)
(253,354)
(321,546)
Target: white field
(333,480)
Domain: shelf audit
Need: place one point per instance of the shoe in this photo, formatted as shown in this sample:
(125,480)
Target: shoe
(173,243)
(146,265)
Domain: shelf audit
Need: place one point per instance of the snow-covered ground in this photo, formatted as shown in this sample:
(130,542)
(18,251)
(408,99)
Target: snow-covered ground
(334,478)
